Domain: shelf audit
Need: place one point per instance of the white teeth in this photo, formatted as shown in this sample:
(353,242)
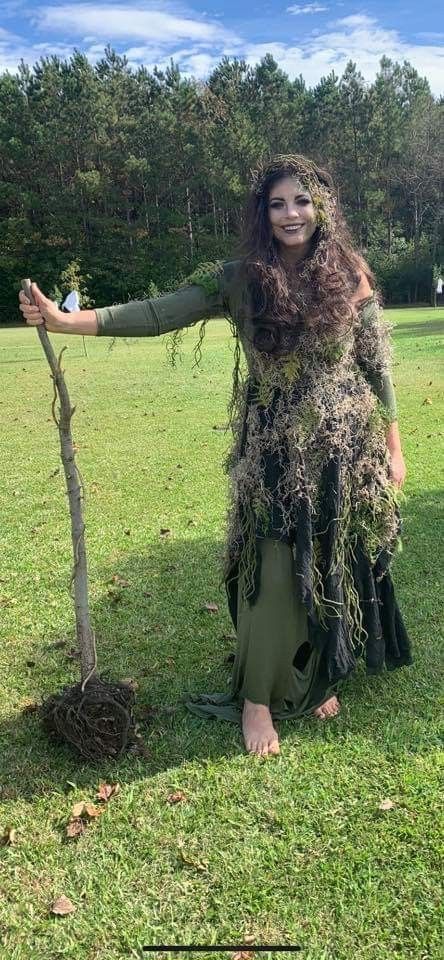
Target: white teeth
(293,229)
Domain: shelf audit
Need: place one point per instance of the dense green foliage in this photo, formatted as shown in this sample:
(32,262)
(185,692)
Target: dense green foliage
(293,849)
(127,179)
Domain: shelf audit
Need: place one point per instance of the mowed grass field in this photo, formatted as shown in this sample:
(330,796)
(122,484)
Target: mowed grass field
(333,845)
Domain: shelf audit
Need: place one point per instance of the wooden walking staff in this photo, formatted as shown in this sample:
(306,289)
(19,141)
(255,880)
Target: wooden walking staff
(94,715)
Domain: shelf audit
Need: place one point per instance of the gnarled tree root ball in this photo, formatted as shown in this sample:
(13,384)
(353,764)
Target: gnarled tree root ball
(98,720)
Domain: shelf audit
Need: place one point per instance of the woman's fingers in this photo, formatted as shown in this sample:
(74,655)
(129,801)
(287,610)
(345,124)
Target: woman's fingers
(35,313)
(31,314)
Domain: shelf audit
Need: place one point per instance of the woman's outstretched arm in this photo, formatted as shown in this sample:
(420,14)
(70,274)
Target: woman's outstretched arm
(195,300)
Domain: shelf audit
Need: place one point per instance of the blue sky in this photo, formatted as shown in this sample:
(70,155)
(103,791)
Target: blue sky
(311,38)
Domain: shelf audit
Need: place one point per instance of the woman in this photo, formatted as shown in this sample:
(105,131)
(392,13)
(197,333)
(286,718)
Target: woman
(316,463)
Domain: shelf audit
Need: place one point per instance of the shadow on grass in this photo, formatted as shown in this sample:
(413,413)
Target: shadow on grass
(419,328)
(152,625)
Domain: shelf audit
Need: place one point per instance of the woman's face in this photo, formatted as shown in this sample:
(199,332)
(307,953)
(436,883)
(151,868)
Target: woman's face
(292,217)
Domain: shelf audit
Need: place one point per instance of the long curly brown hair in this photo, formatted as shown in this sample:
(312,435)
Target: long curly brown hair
(315,292)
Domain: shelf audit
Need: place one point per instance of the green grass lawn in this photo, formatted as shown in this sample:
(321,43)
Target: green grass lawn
(293,849)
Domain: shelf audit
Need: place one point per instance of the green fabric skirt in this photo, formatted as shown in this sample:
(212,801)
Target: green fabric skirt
(275,664)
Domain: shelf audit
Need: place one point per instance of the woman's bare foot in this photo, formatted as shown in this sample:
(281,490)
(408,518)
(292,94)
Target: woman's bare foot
(329,708)
(258,730)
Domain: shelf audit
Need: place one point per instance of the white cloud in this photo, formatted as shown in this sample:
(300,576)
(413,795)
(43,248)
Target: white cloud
(296,9)
(119,22)
(152,34)
(359,38)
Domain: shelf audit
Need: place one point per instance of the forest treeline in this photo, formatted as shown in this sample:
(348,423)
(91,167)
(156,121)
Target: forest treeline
(120,181)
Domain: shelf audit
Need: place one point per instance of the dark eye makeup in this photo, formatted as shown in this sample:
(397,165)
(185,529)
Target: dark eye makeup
(278,203)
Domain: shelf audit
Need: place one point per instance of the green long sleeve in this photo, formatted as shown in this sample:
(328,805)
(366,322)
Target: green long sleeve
(204,295)
(150,318)
(374,354)
(385,391)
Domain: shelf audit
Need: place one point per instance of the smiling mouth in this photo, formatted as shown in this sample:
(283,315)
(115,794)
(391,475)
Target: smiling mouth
(293,229)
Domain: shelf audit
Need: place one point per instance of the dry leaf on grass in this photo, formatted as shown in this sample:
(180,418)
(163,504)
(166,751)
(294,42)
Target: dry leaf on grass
(81,813)
(386,804)
(75,828)
(211,607)
(62,906)
(92,811)
(119,581)
(30,707)
(176,797)
(9,837)
(107,790)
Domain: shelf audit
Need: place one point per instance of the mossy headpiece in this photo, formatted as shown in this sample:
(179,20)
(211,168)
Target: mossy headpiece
(318,183)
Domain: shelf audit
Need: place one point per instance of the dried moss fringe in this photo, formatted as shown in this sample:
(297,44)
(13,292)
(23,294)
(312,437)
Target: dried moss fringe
(322,404)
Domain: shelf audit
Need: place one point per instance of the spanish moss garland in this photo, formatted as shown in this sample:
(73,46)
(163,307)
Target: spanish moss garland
(303,408)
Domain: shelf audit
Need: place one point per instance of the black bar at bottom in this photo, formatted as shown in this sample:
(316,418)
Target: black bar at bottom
(254,947)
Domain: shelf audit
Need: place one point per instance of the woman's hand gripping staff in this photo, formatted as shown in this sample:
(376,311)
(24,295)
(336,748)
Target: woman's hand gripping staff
(39,311)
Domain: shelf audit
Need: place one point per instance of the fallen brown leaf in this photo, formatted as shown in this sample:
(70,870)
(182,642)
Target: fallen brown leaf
(92,811)
(78,809)
(386,805)
(75,828)
(427,400)
(107,790)
(62,906)
(9,837)
(211,607)
(176,797)
(30,707)
(120,581)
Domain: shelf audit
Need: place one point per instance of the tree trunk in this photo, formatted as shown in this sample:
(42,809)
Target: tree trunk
(213,202)
(190,225)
